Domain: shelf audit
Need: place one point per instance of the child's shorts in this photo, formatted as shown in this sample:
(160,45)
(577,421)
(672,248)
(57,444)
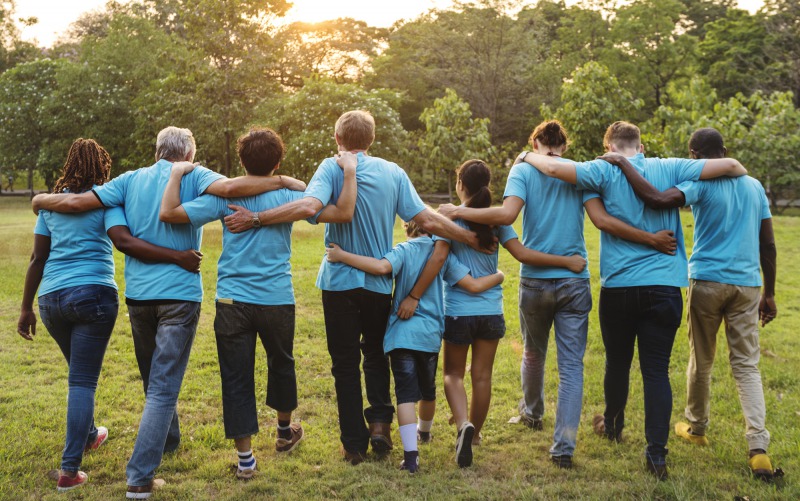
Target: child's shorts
(414,375)
(465,330)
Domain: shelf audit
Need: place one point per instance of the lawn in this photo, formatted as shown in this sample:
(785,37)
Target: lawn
(512,463)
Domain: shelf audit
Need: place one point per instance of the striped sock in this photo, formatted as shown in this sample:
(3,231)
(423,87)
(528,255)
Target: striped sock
(284,429)
(246,460)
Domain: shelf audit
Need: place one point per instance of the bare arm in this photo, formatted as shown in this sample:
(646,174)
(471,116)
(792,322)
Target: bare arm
(373,266)
(505,215)
(767,310)
(651,197)
(477,285)
(126,243)
(432,268)
(247,186)
(171,209)
(718,167)
(663,241)
(342,211)
(575,263)
(66,202)
(26,325)
(436,224)
(551,166)
(242,219)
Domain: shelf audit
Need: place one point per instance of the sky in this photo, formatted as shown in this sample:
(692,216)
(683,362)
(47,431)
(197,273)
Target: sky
(56,15)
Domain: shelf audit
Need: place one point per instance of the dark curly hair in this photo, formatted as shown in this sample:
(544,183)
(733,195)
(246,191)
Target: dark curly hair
(87,164)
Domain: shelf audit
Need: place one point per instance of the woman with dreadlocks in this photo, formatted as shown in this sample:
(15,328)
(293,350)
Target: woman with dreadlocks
(73,268)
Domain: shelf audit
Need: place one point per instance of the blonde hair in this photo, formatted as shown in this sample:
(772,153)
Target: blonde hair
(622,135)
(356,130)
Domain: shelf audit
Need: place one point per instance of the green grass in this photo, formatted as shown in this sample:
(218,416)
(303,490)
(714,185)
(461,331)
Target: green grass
(512,463)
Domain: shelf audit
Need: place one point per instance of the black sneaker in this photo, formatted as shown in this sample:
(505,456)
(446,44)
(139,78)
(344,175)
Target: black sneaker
(657,470)
(424,437)
(562,461)
(410,461)
(464,445)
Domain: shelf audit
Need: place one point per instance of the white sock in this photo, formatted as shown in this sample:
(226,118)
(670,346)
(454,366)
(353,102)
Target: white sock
(408,434)
(246,460)
(423,425)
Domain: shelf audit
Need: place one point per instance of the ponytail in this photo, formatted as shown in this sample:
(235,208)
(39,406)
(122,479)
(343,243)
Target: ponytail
(551,134)
(475,177)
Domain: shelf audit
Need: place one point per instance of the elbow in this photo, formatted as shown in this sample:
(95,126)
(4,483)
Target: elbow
(427,222)
(310,210)
(224,189)
(508,219)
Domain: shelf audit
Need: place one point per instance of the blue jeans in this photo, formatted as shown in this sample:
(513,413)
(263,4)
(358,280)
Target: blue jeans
(162,337)
(81,320)
(567,303)
(651,314)
(414,375)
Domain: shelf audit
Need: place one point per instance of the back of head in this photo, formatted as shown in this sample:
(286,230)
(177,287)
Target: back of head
(551,134)
(260,150)
(707,142)
(356,130)
(87,164)
(623,135)
(475,177)
(175,144)
(413,230)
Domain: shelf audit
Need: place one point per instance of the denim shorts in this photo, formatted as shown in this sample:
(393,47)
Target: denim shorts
(465,330)
(414,375)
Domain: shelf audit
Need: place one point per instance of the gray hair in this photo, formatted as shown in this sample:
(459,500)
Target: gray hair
(174,143)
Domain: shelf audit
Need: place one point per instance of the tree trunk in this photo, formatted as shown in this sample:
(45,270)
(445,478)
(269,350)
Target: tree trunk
(30,180)
(227,167)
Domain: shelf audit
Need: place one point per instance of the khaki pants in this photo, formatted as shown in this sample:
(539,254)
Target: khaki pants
(709,303)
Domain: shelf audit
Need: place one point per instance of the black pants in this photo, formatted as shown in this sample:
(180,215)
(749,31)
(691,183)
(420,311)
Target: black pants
(355,323)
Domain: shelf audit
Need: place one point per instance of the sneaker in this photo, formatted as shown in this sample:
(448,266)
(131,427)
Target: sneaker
(144,491)
(599,427)
(684,430)
(288,444)
(562,461)
(464,445)
(424,437)
(354,458)
(657,470)
(760,465)
(66,482)
(410,461)
(524,418)
(380,437)
(102,436)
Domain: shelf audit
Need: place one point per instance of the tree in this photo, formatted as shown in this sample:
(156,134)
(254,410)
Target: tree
(783,44)
(13,50)
(699,13)
(592,100)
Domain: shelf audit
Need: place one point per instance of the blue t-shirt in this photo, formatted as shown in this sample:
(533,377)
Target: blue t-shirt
(552,220)
(254,265)
(80,250)
(460,303)
(140,191)
(384,191)
(628,264)
(727,217)
(423,331)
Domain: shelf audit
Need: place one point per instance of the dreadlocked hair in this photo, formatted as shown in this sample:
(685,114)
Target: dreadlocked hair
(87,164)
(475,177)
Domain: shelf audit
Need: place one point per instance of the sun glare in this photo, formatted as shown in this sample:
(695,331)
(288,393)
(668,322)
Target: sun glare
(375,13)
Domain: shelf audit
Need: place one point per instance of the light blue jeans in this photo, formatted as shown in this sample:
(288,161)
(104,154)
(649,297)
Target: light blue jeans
(565,302)
(162,337)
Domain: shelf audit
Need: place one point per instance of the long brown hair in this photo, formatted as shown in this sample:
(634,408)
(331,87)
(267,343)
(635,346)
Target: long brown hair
(475,177)
(87,164)
(551,134)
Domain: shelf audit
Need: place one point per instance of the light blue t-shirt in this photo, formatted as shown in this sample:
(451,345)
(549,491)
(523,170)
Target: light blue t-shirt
(254,265)
(384,191)
(80,250)
(552,220)
(460,303)
(628,264)
(727,217)
(140,192)
(423,331)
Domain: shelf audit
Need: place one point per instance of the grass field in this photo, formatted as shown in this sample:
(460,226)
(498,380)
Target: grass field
(512,463)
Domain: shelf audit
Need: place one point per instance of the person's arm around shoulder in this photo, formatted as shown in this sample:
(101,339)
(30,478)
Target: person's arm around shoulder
(436,224)
(662,241)
(506,214)
(143,250)
(373,266)
(26,325)
(66,202)
(767,310)
(553,167)
(719,167)
(248,186)
(342,211)
(575,263)
(407,307)
(652,197)
(478,285)
(171,209)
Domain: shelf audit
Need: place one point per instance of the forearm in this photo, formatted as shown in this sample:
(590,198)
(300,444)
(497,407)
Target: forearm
(535,258)
(342,211)
(491,216)
(648,193)
(718,167)
(33,278)
(478,285)
(436,224)
(550,166)
(365,263)
(244,186)
(66,202)
(293,211)
(171,211)
(431,269)
(769,267)
(141,249)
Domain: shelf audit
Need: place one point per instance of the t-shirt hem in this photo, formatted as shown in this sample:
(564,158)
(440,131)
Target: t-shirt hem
(726,281)
(61,286)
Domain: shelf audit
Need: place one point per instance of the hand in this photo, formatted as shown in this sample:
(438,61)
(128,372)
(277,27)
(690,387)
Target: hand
(334,253)
(293,184)
(767,310)
(190,260)
(183,167)
(347,161)
(664,241)
(476,244)
(407,308)
(448,211)
(613,158)
(576,263)
(26,325)
(239,221)
(520,158)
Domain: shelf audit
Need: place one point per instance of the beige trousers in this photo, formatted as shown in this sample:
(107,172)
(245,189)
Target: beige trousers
(708,304)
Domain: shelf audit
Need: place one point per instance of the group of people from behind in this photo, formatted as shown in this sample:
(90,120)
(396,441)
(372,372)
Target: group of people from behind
(445,280)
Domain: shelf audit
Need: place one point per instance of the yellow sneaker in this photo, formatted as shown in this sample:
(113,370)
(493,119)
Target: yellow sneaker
(684,431)
(761,467)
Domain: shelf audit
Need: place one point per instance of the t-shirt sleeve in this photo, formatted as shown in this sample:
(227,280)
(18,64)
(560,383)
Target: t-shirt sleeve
(112,193)
(114,216)
(395,257)
(453,270)
(686,169)
(204,209)
(41,225)
(505,233)
(589,194)
(408,202)
(437,237)
(205,177)
(516,184)
(591,175)
(765,212)
(321,184)
(692,191)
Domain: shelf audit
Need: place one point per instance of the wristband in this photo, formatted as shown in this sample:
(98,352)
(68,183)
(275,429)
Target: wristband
(412,297)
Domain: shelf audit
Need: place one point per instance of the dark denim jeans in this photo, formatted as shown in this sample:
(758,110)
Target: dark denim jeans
(81,320)
(162,337)
(465,330)
(236,327)
(652,315)
(355,323)
(414,375)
